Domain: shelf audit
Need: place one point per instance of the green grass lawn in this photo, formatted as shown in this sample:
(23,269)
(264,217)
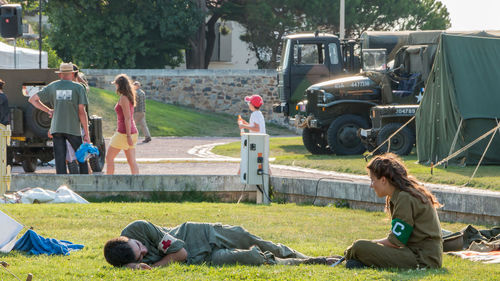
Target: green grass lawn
(308,229)
(170,120)
(291,151)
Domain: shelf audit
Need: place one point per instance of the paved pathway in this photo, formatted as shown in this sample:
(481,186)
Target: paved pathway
(192,155)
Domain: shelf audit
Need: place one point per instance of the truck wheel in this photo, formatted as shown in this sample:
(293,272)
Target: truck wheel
(315,142)
(29,164)
(46,155)
(401,144)
(342,134)
(38,121)
(73,167)
(97,162)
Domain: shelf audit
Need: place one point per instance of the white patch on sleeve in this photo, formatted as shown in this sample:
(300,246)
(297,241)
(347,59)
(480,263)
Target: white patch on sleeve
(165,243)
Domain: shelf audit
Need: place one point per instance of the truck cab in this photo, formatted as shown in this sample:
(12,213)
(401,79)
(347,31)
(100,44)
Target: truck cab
(307,59)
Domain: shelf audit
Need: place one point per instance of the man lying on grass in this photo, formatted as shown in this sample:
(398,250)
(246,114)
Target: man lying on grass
(143,245)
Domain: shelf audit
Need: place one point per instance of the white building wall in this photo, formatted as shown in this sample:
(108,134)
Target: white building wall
(234,53)
(241,56)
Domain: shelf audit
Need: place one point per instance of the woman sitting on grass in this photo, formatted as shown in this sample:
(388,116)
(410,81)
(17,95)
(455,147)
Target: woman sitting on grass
(415,238)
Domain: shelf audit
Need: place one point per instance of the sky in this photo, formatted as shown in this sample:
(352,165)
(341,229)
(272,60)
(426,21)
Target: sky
(473,14)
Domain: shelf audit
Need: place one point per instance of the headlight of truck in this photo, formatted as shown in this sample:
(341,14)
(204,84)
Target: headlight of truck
(324,97)
(327,97)
(301,106)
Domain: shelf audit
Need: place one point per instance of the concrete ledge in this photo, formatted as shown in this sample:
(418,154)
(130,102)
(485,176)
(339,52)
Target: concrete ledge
(182,72)
(460,204)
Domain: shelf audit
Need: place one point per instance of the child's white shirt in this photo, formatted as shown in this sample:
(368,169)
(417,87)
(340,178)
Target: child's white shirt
(257,118)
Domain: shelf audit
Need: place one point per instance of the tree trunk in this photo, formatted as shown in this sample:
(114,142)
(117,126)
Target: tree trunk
(195,55)
(210,38)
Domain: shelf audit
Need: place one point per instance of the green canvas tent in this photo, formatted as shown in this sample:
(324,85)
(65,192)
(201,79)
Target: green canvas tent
(461,100)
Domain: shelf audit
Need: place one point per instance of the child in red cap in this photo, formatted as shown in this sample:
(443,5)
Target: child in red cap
(257,123)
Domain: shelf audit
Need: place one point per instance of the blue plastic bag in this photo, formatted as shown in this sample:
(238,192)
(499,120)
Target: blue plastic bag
(85,151)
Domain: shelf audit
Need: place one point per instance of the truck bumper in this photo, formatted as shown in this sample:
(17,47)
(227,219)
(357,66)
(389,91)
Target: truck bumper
(368,136)
(301,121)
(281,108)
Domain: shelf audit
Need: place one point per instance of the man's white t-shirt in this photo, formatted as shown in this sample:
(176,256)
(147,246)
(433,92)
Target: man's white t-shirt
(257,118)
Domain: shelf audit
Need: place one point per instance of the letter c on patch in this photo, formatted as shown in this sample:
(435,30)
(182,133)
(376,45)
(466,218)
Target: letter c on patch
(396,226)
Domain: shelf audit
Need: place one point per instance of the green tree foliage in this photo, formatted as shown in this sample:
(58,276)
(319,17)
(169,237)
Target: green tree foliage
(362,15)
(30,7)
(122,34)
(266,21)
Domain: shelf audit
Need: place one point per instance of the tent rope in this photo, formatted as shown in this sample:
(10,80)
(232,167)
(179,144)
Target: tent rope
(388,139)
(456,137)
(7,213)
(482,156)
(465,147)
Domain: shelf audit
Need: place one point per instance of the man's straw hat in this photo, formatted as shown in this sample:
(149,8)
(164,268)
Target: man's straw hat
(66,68)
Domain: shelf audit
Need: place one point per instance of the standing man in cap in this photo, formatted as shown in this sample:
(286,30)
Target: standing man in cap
(69,101)
(140,111)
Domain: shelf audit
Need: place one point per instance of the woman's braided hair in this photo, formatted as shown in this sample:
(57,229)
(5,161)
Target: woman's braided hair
(391,167)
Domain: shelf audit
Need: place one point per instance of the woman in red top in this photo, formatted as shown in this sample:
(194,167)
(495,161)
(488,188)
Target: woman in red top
(125,137)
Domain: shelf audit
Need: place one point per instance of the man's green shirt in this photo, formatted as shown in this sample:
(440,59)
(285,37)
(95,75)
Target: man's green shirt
(64,97)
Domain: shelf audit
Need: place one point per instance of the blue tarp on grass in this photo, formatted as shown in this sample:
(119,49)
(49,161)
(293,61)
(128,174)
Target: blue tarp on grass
(34,244)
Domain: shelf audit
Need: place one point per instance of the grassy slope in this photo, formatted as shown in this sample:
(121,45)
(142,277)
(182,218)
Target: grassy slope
(291,151)
(308,229)
(169,120)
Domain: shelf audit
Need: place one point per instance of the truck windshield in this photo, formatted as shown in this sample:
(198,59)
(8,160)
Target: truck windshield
(285,54)
(31,89)
(374,59)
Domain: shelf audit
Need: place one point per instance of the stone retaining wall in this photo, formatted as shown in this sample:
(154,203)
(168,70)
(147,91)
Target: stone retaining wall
(460,204)
(214,90)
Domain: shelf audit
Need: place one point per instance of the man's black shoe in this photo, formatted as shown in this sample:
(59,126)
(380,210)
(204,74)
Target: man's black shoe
(146,140)
(352,264)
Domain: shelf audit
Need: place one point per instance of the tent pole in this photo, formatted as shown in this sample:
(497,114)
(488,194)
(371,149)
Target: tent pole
(15,63)
(40,34)
(482,156)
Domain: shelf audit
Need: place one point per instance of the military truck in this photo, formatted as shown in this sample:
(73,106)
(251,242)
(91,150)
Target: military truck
(386,120)
(30,126)
(332,112)
(310,58)
(418,56)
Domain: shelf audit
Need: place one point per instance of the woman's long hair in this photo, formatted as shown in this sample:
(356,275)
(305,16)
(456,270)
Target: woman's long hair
(125,87)
(391,167)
